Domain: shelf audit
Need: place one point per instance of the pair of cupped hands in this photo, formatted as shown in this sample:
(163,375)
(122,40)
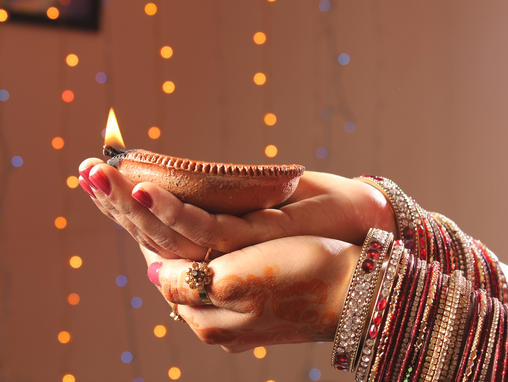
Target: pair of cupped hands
(279,275)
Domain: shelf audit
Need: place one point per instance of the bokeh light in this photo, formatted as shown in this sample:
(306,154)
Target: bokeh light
(60,222)
(271,1)
(57,143)
(150,9)
(270,380)
(17,161)
(154,132)
(136,302)
(72,181)
(324,5)
(174,373)
(139,379)
(168,87)
(4,15)
(68,378)
(259,38)
(4,95)
(315,374)
(126,357)
(343,59)
(53,13)
(76,261)
(159,331)
(259,352)
(72,60)
(67,96)
(73,299)
(64,337)
(271,151)
(259,78)
(101,78)
(350,127)
(270,119)
(121,280)
(321,152)
(166,52)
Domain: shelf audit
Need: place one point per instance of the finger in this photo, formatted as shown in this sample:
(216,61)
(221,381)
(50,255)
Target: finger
(115,196)
(222,232)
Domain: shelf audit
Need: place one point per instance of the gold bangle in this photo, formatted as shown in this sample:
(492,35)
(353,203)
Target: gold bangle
(477,335)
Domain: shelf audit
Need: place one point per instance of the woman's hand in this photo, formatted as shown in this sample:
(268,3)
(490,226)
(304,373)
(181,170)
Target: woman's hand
(282,291)
(322,205)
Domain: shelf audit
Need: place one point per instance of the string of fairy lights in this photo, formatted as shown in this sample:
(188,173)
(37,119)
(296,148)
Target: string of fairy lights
(166,85)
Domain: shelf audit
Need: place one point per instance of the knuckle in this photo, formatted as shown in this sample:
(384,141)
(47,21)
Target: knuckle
(166,242)
(172,214)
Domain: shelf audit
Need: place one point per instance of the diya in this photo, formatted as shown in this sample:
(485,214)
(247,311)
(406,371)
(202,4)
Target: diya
(216,187)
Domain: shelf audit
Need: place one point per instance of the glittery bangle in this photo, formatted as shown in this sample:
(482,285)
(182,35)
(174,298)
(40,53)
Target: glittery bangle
(498,355)
(380,305)
(482,344)
(490,343)
(476,338)
(358,298)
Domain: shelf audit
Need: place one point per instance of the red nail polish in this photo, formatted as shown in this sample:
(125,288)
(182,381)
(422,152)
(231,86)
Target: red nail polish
(153,273)
(85,186)
(86,173)
(143,198)
(100,182)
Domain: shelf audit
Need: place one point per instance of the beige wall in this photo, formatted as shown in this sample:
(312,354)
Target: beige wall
(426,87)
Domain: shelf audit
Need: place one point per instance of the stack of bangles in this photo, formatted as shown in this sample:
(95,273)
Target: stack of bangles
(428,306)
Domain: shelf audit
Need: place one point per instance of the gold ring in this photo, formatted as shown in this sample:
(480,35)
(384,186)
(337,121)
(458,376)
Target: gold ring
(198,277)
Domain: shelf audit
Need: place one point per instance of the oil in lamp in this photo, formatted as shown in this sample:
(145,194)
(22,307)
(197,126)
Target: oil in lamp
(216,187)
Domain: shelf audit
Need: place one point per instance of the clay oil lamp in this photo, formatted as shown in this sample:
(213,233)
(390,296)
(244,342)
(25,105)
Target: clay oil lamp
(216,187)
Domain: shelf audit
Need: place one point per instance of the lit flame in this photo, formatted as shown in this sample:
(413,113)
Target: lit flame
(113,137)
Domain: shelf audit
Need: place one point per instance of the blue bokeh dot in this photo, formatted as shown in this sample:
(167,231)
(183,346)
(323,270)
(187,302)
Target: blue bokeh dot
(4,95)
(350,127)
(126,357)
(17,161)
(321,152)
(101,78)
(121,280)
(139,379)
(315,374)
(324,5)
(136,302)
(344,59)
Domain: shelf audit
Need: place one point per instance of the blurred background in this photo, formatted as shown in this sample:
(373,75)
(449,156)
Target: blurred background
(414,91)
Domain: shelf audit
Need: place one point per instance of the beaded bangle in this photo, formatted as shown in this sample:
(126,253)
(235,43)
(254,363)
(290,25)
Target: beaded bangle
(358,299)
(504,374)
(477,334)
(380,304)
(472,321)
(490,342)
(499,341)
(405,266)
(482,345)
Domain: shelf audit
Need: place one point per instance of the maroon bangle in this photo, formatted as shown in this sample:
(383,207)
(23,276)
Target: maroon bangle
(482,346)
(505,363)
(474,314)
(493,368)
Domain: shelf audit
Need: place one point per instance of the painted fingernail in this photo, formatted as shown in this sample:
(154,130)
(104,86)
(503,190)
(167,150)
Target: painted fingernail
(153,273)
(143,198)
(86,173)
(100,182)
(85,186)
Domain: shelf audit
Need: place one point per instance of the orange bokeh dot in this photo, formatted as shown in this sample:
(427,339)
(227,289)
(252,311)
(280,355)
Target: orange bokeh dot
(73,299)
(259,38)
(270,119)
(271,151)
(154,132)
(53,13)
(259,352)
(64,337)
(174,373)
(68,96)
(259,78)
(159,331)
(72,60)
(72,181)
(4,15)
(57,143)
(168,87)
(150,9)
(68,378)
(60,222)
(166,52)
(75,261)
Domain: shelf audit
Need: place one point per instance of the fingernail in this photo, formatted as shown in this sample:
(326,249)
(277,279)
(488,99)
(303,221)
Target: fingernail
(100,182)
(143,198)
(85,186)
(153,273)
(86,173)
